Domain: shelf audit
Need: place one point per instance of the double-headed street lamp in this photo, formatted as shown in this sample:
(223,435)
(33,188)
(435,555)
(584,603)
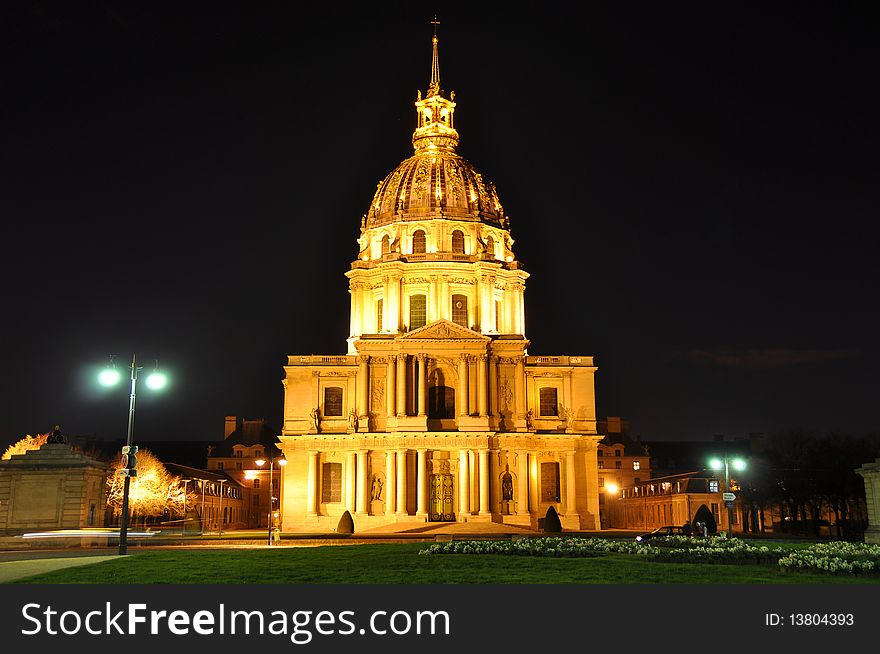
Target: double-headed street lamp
(725,462)
(281,462)
(110,377)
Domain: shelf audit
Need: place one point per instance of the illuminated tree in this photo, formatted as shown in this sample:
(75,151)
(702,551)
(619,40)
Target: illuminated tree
(27,443)
(153,492)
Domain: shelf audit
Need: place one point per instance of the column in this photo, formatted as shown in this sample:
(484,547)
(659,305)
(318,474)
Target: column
(389,483)
(401,482)
(394,304)
(484,482)
(313,484)
(464,494)
(519,382)
(570,491)
(473,477)
(423,384)
(522,483)
(389,388)
(433,309)
(352,319)
(386,304)
(350,481)
(361,493)
(493,385)
(485,299)
(422,483)
(443,299)
(482,386)
(533,482)
(363,400)
(401,385)
(463,408)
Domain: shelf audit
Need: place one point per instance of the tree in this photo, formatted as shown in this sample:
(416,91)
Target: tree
(27,443)
(154,491)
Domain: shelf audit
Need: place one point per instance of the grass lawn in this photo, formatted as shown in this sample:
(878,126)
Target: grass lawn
(390,563)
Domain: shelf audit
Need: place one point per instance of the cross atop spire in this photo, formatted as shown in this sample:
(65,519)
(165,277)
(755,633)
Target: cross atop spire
(434,86)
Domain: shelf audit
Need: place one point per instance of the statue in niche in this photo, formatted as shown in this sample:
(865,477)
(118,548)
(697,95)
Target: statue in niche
(316,417)
(529,419)
(376,489)
(507,487)
(353,419)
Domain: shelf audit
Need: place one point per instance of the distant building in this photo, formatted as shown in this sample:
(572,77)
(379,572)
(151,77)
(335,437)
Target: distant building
(621,461)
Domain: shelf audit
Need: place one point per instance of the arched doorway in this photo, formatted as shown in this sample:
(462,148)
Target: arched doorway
(705,515)
(441,401)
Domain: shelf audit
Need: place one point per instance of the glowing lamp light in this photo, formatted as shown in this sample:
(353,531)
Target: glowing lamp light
(249,474)
(157,380)
(260,462)
(282,462)
(716,464)
(739,464)
(109,377)
(509,258)
(611,488)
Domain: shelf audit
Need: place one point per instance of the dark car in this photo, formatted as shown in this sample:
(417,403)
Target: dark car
(668,530)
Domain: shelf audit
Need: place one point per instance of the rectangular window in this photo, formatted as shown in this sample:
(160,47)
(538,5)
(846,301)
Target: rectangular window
(219,465)
(256,500)
(238,465)
(256,483)
(331,482)
(549,482)
(460,310)
(601,482)
(600,453)
(616,452)
(379,305)
(548,406)
(713,485)
(333,401)
(418,311)
(617,464)
(637,465)
(601,465)
(275,484)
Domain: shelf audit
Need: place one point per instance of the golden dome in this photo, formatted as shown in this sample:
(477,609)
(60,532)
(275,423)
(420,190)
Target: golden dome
(435,182)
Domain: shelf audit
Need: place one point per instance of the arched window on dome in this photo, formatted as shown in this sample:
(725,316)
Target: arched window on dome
(386,244)
(460,310)
(418,311)
(419,244)
(457,242)
(490,246)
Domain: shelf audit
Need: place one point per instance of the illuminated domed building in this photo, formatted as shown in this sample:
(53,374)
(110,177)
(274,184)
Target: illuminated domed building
(437,412)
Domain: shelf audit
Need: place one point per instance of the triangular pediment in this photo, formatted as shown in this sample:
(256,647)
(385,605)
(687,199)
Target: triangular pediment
(443,330)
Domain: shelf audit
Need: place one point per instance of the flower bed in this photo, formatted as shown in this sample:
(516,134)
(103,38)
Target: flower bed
(836,557)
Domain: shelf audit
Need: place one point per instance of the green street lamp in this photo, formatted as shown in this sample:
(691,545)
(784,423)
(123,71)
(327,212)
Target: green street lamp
(281,463)
(725,462)
(155,380)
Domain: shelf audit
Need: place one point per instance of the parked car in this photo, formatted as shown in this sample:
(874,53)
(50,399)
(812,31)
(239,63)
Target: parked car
(668,530)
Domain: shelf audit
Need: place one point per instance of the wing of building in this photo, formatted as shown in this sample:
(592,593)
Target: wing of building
(437,412)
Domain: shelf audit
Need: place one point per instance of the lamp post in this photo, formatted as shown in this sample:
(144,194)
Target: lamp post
(261,462)
(156,381)
(220,533)
(726,462)
(185,482)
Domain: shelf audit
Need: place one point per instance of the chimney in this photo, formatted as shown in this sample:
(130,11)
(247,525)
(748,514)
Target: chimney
(231,424)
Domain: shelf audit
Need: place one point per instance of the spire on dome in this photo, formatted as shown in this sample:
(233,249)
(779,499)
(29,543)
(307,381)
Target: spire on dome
(434,86)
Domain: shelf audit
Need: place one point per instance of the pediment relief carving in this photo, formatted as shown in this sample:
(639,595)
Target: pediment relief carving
(443,330)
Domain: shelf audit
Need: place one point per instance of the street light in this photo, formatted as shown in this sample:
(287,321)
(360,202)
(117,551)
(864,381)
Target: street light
(281,462)
(738,464)
(110,377)
(221,482)
(185,482)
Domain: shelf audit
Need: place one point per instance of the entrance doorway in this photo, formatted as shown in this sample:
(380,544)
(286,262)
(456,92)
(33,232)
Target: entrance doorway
(442,491)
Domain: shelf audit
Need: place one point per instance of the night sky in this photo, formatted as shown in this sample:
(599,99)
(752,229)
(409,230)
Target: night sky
(693,188)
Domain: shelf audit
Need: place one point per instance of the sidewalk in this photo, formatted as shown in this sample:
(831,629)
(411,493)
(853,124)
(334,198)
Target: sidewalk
(33,564)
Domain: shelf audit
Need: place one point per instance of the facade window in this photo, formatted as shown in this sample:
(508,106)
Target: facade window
(379,306)
(617,464)
(333,401)
(386,244)
(419,242)
(637,465)
(548,402)
(238,465)
(601,482)
(457,242)
(600,452)
(219,465)
(601,465)
(713,485)
(616,452)
(258,453)
(459,310)
(256,483)
(490,246)
(418,311)
(275,483)
(237,453)
(636,480)
(256,500)
(331,482)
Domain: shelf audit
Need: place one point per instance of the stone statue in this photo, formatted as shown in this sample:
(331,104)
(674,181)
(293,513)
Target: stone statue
(507,487)
(376,490)
(316,417)
(529,419)
(56,437)
(353,420)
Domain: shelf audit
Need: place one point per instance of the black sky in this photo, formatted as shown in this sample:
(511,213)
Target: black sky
(693,188)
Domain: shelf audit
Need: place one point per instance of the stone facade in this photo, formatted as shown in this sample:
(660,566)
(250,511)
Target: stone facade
(437,412)
(53,487)
(870,473)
